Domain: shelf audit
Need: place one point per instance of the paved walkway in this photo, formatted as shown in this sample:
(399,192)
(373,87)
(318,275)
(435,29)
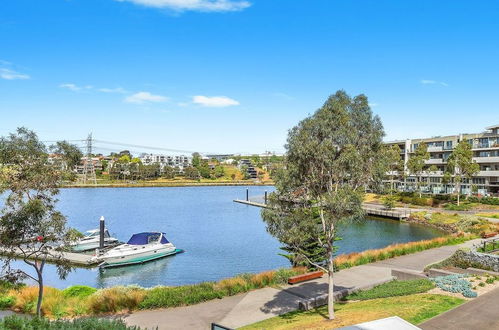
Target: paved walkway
(479,313)
(265,303)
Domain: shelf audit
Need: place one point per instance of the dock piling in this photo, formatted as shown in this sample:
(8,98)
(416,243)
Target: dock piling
(265,197)
(247,194)
(101,233)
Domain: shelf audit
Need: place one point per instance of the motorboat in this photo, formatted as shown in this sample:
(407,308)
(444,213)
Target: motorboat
(91,241)
(140,248)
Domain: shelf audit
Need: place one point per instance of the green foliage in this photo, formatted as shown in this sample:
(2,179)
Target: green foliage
(6,302)
(460,164)
(16,322)
(393,288)
(460,207)
(78,291)
(417,161)
(484,200)
(389,202)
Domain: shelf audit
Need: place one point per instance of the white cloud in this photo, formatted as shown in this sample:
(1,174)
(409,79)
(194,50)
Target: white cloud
(118,90)
(75,88)
(144,97)
(197,5)
(433,82)
(9,74)
(214,101)
(372,105)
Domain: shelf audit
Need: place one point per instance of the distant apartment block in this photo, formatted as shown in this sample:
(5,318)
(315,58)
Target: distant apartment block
(179,161)
(250,169)
(485,148)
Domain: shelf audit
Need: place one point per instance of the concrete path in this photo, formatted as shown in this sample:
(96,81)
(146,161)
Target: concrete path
(480,313)
(265,303)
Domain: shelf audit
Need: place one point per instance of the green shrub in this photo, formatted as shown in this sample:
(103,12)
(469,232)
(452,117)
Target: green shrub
(484,200)
(180,296)
(16,322)
(7,302)
(455,207)
(81,291)
(393,288)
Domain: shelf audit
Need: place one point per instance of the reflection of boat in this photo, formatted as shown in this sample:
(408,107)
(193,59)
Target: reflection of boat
(140,248)
(91,241)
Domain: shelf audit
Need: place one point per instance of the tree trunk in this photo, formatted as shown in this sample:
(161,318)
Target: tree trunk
(40,287)
(458,193)
(330,296)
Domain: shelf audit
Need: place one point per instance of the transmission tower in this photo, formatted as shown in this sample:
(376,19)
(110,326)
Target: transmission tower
(88,164)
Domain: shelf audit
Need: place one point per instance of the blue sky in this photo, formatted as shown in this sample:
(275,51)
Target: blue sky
(234,76)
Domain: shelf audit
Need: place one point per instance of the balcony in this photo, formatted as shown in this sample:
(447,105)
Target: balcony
(433,161)
(435,149)
(488,173)
(486,159)
(488,145)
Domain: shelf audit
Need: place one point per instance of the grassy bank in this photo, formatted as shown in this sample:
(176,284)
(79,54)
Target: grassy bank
(406,299)
(395,250)
(82,300)
(187,183)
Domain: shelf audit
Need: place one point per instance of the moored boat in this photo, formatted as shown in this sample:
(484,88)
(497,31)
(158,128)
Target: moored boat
(140,248)
(91,241)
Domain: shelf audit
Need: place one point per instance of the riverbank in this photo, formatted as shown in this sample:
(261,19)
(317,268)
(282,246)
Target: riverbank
(152,184)
(84,301)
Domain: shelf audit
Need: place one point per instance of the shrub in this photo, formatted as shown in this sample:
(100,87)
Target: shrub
(81,291)
(180,296)
(456,283)
(393,288)
(115,299)
(455,207)
(16,322)
(7,302)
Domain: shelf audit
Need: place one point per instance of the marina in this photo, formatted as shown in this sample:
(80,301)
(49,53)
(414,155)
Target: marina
(221,238)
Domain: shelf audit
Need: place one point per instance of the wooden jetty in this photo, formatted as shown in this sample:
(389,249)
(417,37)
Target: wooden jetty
(77,259)
(250,203)
(374,211)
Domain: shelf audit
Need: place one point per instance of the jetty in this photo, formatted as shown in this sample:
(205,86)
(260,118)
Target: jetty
(76,259)
(369,209)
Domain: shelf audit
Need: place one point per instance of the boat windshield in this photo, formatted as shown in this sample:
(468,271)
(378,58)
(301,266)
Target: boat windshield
(146,238)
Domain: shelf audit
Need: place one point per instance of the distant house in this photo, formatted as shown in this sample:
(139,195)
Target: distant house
(178,161)
(250,169)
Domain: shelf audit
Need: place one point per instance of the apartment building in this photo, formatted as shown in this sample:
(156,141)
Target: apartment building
(179,161)
(485,148)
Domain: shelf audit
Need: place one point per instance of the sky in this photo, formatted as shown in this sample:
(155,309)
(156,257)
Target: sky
(233,76)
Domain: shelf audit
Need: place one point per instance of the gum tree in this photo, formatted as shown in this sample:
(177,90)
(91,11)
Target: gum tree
(461,166)
(30,226)
(330,158)
(416,163)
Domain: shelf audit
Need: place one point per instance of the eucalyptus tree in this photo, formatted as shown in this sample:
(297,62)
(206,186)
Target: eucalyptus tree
(30,225)
(330,158)
(460,165)
(417,162)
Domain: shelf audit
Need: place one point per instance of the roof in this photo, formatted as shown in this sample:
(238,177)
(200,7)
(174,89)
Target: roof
(492,127)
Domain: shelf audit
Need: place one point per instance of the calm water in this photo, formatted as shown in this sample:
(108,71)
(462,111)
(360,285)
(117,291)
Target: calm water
(221,238)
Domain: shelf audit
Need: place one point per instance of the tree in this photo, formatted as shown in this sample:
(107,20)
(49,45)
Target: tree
(168,172)
(196,159)
(191,173)
(460,164)
(70,153)
(331,156)
(30,225)
(219,171)
(395,164)
(417,162)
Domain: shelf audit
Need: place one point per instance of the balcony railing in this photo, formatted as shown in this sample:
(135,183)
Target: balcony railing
(434,149)
(486,159)
(488,173)
(435,161)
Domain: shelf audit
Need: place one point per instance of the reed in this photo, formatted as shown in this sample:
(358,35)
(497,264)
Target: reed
(360,258)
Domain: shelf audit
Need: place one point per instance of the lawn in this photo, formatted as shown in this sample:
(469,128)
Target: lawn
(489,215)
(393,289)
(415,308)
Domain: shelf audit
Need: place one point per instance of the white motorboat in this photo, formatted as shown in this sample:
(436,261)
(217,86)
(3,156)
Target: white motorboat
(91,241)
(140,248)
